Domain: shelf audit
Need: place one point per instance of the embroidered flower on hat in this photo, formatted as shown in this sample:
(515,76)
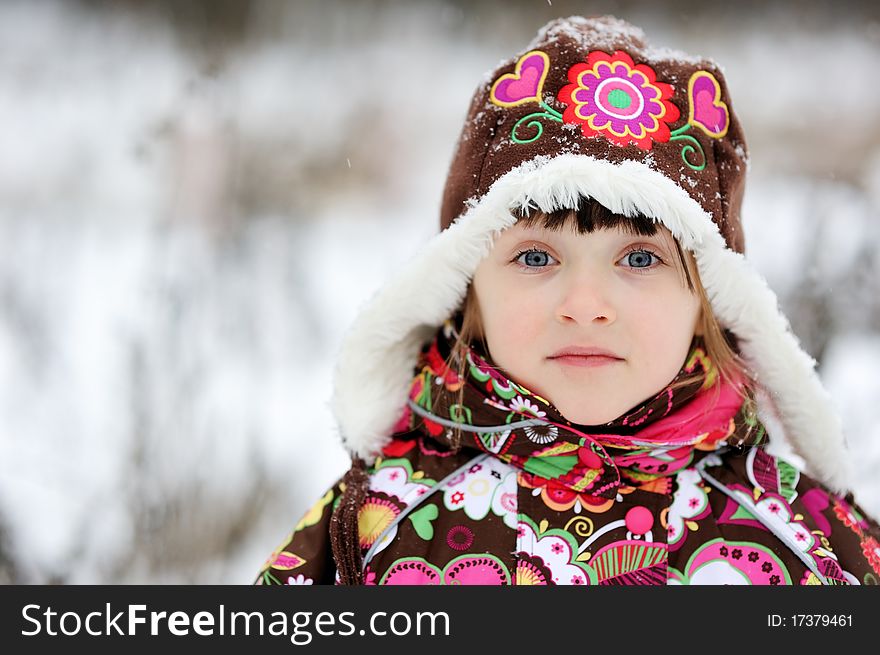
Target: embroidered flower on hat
(611,96)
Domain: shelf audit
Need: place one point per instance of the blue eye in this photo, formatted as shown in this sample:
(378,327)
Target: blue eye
(640,258)
(534,258)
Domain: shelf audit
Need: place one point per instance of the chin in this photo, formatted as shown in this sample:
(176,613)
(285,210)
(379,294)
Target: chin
(589,418)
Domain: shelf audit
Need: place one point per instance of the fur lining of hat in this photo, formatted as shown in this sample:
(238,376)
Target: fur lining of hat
(376,360)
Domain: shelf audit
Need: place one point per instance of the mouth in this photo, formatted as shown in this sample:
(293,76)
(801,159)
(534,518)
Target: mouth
(586,361)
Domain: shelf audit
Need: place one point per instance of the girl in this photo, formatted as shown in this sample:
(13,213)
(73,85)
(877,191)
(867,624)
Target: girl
(577,380)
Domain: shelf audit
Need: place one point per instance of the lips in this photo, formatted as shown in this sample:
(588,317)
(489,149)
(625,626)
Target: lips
(584,351)
(585,356)
(580,360)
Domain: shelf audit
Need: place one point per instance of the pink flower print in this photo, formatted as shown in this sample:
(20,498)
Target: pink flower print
(460,537)
(611,96)
(508,501)
(848,516)
(871,550)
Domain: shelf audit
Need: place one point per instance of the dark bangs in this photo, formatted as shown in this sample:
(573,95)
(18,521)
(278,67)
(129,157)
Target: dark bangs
(589,216)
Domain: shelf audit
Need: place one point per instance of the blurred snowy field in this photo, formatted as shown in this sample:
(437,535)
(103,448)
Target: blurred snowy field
(190,216)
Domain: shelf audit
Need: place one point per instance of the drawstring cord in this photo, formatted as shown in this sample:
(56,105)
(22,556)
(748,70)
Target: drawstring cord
(344,537)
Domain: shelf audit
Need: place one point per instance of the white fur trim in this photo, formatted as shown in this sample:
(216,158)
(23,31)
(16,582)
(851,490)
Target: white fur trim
(376,360)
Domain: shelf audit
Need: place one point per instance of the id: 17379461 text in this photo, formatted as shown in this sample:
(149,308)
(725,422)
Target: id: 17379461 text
(809,621)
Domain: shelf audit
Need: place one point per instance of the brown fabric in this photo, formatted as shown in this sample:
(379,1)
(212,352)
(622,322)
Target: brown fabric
(344,539)
(486,149)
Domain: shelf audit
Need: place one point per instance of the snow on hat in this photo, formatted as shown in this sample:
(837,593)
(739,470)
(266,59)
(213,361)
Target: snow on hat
(588,109)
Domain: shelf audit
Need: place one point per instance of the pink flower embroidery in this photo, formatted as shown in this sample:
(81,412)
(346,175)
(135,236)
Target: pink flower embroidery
(611,96)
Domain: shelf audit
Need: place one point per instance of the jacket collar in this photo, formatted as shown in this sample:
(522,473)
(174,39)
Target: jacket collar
(484,410)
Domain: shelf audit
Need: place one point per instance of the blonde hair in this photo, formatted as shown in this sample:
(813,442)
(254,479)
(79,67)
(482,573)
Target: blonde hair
(720,344)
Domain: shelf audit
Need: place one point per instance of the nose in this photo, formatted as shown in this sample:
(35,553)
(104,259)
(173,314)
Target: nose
(586,299)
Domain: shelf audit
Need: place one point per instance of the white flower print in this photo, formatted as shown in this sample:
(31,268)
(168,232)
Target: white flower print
(541,434)
(300,580)
(525,406)
(488,486)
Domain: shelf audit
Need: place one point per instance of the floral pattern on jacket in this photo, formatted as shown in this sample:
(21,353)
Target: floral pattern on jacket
(680,491)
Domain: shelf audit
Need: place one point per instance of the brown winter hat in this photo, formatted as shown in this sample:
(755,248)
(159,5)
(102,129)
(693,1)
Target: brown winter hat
(590,110)
(594,87)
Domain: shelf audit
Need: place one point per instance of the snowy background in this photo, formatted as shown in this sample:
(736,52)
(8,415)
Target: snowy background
(195,198)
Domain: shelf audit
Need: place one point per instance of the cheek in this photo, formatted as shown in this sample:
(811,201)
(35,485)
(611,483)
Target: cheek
(667,315)
(510,322)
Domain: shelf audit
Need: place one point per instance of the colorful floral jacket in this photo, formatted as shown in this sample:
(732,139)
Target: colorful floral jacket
(681,491)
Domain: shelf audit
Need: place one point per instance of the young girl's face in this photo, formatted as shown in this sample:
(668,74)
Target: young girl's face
(542,293)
